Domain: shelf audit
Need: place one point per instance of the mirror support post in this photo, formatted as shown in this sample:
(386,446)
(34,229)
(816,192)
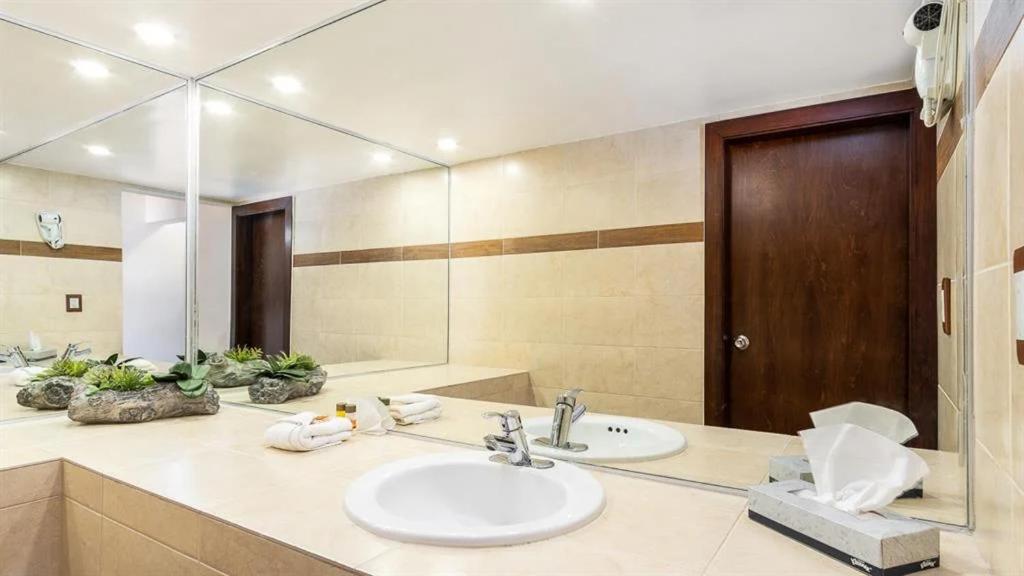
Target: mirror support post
(192,223)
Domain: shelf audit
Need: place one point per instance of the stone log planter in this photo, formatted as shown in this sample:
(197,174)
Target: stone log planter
(227,373)
(267,390)
(50,394)
(161,400)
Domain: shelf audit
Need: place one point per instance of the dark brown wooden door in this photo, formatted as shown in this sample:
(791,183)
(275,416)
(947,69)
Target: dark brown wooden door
(819,228)
(262,275)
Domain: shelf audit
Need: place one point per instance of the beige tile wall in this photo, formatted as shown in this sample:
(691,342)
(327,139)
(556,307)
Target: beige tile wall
(950,233)
(32,521)
(381,310)
(112,529)
(998,379)
(32,289)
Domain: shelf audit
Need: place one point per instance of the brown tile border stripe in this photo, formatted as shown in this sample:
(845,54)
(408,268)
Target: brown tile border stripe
(69,251)
(590,240)
(477,248)
(425,252)
(651,235)
(550,243)
(1001,23)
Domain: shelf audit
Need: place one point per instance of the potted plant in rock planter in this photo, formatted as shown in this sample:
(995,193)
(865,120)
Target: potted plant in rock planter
(287,376)
(125,394)
(239,366)
(52,389)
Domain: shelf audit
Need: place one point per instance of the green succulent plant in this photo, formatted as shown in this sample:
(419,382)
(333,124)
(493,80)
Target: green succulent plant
(244,353)
(65,367)
(292,366)
(190,378)
(112,360)
(201,357)
(118,377)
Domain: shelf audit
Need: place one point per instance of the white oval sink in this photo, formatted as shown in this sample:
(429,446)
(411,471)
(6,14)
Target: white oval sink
(609,439)
(464,499)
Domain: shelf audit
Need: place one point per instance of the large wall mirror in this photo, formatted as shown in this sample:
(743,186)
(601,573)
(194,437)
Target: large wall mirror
(636,226)
(92,215)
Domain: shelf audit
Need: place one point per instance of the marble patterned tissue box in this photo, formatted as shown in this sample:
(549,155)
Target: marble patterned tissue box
(876,544)
(799,468)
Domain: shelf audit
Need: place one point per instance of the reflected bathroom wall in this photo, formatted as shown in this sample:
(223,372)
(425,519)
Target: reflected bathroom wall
(363,231)
(109,276)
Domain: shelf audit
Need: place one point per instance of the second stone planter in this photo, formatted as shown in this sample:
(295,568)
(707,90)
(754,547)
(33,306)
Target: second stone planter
(267,390)
(161,400)
(50,394)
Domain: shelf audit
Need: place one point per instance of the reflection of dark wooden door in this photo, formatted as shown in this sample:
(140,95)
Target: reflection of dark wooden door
(261,297)
(824,257)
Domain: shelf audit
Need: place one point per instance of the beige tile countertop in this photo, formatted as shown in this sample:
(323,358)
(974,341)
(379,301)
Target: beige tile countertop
(720,456)
(218,466)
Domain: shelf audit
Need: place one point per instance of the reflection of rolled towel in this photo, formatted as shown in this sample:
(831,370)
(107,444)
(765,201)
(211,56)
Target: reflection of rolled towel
(300,433)
(420,418)
(404,410)
(142,364)
(21,376)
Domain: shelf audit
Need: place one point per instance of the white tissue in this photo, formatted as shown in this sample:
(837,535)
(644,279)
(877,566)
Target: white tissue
(885,421)
(373,417)
(857,470)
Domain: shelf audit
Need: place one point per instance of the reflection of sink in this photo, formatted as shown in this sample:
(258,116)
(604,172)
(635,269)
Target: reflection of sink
(610,439)
(464,499)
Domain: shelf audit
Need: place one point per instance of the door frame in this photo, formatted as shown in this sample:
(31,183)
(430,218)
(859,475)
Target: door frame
(238,213)
(922,370)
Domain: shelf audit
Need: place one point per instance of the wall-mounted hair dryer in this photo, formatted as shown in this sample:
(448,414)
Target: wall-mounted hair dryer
(51,229)
(924,31)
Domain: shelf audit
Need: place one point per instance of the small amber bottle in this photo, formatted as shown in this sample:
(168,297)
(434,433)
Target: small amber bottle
(339,410)
(350,413)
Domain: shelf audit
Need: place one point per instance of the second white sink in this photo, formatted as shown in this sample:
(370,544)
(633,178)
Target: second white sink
(464,499)
(609,439)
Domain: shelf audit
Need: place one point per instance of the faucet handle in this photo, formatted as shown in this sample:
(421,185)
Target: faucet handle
(569,397)
(510,420)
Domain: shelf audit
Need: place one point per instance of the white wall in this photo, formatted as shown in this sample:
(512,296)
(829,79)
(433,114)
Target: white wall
(154,276)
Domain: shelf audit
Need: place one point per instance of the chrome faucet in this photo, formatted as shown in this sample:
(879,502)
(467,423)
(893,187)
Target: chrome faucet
(14,356)
(567,411)
(75,349)
(511,445)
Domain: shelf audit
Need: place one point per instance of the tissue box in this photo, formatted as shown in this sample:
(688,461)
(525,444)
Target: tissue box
(799,468)
(888,545)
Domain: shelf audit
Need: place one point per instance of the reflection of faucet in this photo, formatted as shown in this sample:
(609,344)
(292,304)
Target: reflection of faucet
(566,413)
(511,445)
(14,356)
(75,349)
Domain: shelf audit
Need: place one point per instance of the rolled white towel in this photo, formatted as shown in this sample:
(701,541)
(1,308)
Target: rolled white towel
(404,410)
(420,418)
(410,398)
(299,433)
(21,376)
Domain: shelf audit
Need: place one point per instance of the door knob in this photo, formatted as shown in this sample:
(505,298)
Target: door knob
(741,342)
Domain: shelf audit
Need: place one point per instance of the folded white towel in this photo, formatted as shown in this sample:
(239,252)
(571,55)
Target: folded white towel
(404,410)
(410,398)
(21,376)
(299,433)
(420,418)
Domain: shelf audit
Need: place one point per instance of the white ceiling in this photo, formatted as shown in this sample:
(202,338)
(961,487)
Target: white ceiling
(250,153)
(208,33)
(41,96)
(497,75)
(502,76)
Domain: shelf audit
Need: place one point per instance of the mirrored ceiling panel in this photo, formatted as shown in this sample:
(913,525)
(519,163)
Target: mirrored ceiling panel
(458,81)
(49,87)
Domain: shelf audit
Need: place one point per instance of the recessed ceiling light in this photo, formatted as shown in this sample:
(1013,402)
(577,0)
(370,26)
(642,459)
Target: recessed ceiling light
(154,34)
(218,107)
(447,144)
(286,84)
(90,69)
(382,157)
(97,150)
